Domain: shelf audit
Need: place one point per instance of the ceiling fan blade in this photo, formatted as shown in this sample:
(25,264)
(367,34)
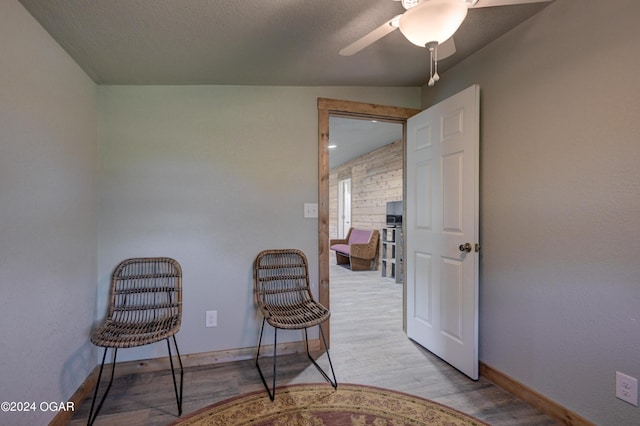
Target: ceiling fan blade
(370,38)
(446,48)
(492,3)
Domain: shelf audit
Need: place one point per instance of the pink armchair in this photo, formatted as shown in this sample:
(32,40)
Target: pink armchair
(358,249)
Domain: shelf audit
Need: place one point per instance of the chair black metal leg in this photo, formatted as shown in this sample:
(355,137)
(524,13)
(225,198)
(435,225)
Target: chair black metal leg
(272,391)
(92,415)
(272,395)
(173,373)
(333,382)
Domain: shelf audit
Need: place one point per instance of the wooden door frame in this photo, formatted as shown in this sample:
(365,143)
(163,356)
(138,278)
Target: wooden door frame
(334,107)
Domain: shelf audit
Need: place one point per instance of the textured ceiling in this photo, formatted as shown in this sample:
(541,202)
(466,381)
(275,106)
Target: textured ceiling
(251,42)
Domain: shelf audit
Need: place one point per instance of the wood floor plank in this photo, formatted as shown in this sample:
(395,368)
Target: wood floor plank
(368,347)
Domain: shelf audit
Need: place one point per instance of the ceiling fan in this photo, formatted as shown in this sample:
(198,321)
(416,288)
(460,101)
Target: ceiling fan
(430,24)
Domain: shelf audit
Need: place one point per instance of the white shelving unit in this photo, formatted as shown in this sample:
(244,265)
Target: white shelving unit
(391,253)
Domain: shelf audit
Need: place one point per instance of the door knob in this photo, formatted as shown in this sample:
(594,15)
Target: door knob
(465,247)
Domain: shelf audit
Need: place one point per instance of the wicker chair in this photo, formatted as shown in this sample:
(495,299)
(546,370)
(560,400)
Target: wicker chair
(145,307)
(281,280)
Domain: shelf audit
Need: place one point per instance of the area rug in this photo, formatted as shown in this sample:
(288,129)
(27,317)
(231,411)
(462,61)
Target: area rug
(320,404)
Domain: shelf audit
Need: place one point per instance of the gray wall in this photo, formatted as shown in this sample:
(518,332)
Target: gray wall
(211,175)
(89,176)
(48,217)
(560,204)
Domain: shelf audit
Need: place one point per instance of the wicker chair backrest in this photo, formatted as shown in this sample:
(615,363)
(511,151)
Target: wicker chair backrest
(147,290)
(281,279)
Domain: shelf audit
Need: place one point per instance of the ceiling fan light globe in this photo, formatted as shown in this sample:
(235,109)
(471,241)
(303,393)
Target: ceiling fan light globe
(432,21)
(408,4)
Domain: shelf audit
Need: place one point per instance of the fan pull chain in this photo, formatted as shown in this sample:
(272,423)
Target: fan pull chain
(436,77)
(433,64)
(431,80)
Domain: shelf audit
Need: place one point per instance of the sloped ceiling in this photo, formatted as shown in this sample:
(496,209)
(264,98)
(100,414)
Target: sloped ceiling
(353,138)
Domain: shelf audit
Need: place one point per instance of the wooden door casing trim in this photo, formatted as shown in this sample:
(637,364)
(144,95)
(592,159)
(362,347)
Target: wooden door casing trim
(349,109)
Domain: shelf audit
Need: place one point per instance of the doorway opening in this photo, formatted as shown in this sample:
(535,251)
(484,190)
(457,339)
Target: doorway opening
(344,207)
(338,108)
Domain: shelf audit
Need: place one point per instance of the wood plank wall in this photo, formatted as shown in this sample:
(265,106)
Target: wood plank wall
(376,178)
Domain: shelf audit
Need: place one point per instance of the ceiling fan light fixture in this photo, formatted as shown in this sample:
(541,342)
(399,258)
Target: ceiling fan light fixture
(408,4)
(432,21)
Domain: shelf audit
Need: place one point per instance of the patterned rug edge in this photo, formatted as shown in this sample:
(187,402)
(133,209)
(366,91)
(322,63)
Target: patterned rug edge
(188,418)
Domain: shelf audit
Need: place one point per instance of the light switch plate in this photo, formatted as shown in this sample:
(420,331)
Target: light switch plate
(211,319)
(310,210)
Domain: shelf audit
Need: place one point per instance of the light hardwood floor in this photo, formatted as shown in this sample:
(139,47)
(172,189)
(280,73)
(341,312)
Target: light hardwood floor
(368,347)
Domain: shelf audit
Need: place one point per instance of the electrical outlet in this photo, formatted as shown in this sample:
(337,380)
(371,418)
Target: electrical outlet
(211,319)
(627,388)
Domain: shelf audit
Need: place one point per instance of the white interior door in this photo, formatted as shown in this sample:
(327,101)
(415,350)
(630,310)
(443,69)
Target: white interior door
(344,207)
(442,229)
